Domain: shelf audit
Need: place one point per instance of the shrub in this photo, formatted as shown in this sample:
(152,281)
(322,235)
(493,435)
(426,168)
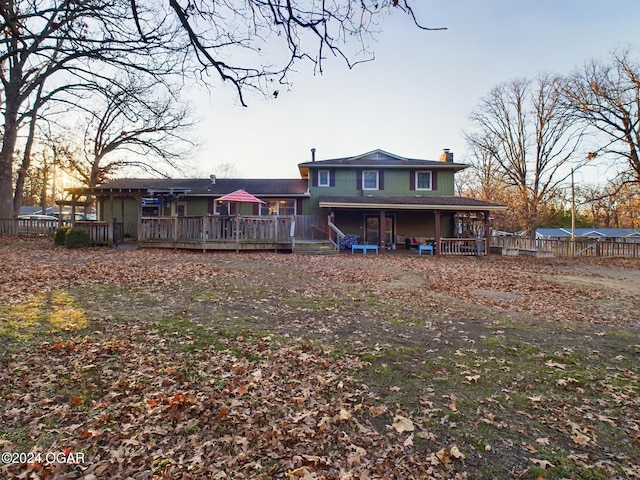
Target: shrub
(77,238)
(61,234)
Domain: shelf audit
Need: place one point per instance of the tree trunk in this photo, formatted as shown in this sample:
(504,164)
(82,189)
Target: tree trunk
(6,161)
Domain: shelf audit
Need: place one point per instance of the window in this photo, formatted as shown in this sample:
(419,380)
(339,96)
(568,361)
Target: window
(324,178)
(279,207)
(370,180)
(423,180)
(222,208)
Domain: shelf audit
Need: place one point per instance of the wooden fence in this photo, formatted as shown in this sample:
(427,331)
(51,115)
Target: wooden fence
(569,248)
(100,233)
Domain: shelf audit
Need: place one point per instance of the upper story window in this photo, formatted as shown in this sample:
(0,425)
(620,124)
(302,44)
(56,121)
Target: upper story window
(324,178)
(370,180)
(423,180)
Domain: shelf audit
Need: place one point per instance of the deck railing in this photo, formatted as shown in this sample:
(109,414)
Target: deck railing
(311,227)
(216,228)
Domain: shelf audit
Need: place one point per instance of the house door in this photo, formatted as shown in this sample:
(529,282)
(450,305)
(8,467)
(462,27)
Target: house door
(372,229)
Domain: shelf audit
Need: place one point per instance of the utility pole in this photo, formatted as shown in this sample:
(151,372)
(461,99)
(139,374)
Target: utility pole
(573,214)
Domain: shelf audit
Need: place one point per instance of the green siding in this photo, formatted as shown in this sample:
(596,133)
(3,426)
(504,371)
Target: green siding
(125,211)
(395,183)
(196,206)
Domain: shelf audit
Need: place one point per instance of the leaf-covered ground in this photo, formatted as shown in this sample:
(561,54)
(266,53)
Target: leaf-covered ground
(125,363)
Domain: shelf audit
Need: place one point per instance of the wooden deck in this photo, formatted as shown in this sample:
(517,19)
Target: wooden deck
(218,232)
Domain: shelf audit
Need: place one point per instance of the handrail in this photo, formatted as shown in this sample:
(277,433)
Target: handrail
(339,235)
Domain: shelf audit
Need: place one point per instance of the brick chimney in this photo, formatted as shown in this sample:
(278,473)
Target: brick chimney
(446,156)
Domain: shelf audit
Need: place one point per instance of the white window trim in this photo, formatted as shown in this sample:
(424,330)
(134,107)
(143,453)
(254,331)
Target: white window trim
(430,180)
(377,187)
(328,183)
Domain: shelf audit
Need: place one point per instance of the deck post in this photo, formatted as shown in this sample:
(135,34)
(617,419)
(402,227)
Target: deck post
(276,221)
(237,233)
(382,227)
(437,232)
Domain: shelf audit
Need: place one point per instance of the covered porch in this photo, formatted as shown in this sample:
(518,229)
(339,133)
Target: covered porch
(450,225)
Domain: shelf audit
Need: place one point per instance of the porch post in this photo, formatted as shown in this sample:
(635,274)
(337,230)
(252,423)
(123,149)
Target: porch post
(114,240)
(437,231)
(487,233)
(383,229)
(74,199)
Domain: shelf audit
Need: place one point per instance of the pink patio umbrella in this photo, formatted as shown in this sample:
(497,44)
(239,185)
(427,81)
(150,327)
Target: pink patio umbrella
(240,196)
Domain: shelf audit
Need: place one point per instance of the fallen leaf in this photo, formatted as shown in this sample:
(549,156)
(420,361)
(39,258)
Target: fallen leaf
(377,411)
(542,463)
(402,424)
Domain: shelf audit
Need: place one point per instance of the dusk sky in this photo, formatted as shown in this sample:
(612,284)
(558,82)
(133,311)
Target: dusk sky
(416,97)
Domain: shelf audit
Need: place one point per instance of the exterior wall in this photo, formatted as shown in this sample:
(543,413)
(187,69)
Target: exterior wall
(125,211)
(350,222)
(395,183)
(197,206)
(415,224)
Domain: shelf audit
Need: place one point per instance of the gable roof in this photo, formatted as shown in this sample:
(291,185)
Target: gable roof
(199,186)
(379,158)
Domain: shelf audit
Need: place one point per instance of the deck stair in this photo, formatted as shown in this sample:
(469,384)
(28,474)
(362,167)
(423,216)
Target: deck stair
(315,247)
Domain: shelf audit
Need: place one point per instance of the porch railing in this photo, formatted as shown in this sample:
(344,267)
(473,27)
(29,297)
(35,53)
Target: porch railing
(462,246)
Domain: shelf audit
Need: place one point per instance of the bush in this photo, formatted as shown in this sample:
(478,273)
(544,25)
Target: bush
(77,238)
(61,234)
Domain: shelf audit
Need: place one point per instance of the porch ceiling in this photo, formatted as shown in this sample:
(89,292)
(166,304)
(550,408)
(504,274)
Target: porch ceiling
(410,203)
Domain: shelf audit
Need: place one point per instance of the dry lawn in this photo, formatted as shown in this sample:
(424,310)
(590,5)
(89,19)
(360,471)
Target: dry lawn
(121,363)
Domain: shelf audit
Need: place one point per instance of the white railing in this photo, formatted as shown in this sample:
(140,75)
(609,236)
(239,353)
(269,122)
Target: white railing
(335,235)
(462,246)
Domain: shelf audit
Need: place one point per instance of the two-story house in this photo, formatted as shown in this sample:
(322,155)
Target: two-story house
(383,198)
(386,198)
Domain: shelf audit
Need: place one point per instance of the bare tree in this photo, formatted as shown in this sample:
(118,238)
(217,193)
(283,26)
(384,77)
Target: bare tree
(132,126)
(484,179)
(227,31)
(51,46)
(65,44)
(607,98)
(524,138)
